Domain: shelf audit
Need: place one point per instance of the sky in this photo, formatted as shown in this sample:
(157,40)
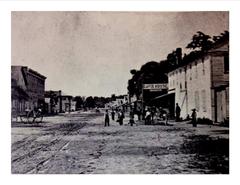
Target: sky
(92,53)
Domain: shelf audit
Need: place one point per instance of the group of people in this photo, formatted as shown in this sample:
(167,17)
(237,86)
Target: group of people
(148,115)
(120,116)
(156,113)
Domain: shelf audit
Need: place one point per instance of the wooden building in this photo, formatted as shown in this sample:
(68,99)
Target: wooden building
(27,88)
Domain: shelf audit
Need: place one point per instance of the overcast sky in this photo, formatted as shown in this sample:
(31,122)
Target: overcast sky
(91,53)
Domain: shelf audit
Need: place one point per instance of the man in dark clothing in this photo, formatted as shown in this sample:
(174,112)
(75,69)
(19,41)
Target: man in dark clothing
(148,117)
(194,118)
(113,114)
(106,119)
(178,112)
(131,120)
(120,117)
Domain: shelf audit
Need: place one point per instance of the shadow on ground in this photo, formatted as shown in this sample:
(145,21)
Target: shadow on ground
(210,153)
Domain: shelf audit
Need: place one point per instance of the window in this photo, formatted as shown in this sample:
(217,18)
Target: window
(226,64)
(197,100)
(180,86)
(204,101)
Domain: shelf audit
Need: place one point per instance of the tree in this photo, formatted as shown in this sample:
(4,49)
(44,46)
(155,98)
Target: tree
(151,72)
(79,102)
(133,71)
(221,37)
(89,102)
(134,84)
(113,97)
(200,41)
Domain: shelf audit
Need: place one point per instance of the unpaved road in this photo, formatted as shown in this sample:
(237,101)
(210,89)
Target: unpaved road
(78,143)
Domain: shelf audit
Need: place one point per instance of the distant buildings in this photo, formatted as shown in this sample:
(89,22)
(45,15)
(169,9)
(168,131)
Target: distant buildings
(203,83)
(28,92)
(27,88)
(66,103)
(119,102)
(55,102)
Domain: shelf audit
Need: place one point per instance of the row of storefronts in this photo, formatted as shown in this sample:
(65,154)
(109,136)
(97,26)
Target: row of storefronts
(28,92)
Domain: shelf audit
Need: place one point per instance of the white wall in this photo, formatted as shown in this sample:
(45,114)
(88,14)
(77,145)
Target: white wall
(199,85)
(192,88)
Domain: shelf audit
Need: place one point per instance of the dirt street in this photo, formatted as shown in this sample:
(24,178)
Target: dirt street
(78,143)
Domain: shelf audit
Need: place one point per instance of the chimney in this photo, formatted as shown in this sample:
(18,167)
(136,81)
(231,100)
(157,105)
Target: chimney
(179,55)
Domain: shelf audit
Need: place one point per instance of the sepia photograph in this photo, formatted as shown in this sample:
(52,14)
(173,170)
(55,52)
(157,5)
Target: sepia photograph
(120,92)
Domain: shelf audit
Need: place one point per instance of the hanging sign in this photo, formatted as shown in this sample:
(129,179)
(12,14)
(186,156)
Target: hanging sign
(155,87)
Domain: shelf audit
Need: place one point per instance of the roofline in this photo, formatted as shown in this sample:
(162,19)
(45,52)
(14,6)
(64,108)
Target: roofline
(36,73)
(30,70)
(202,55)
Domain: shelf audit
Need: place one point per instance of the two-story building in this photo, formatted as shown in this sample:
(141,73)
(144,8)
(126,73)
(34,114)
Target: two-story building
(53,101)
(203,83)
(27,88)
(66,103)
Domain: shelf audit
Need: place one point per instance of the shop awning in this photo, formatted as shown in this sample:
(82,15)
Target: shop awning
(163,97)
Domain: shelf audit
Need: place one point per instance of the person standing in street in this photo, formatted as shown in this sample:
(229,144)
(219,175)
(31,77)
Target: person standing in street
(113,114)
(131,115)
(194,118)
(148,117)
(153,112)
(178,112)
(120,117)
(106,119)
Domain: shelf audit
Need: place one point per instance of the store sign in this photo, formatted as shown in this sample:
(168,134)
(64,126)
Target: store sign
(155,87)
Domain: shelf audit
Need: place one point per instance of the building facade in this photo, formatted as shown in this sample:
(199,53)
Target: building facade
(27,88)
(53,101)
(203,84)
(66,103)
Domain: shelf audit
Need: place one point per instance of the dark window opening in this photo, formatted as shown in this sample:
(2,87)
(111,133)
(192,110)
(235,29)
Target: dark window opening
(226,64)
